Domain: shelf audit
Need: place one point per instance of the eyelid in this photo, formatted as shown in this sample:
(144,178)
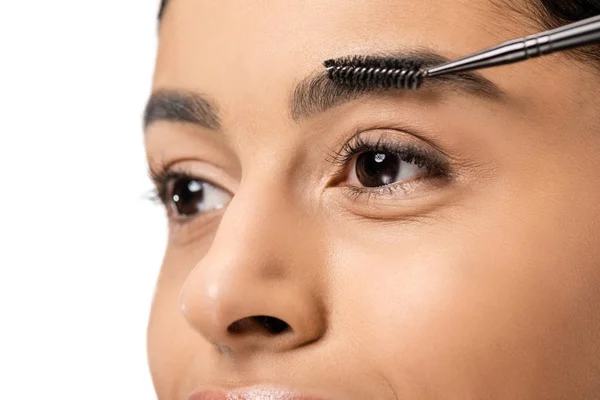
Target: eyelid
(391,114)
(407,187)
(387,140)
(390,206)
(163,173)
(165,178)
(200,170)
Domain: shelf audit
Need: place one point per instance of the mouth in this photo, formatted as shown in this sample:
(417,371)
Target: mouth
(251,393)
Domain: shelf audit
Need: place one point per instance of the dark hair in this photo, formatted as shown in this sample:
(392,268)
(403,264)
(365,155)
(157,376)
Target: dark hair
(554,13)
(565,11)
(161,10)
(547,13)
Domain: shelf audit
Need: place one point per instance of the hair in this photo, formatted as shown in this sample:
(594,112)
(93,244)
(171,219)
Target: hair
(554,13)
(546,13)
(161,10)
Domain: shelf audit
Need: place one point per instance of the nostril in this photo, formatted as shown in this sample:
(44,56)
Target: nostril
(272,325)
(259,324)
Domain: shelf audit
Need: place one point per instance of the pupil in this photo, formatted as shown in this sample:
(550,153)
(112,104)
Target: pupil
(188,195)
(376,168)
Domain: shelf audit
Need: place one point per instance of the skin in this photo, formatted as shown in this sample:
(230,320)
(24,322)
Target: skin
(480,286)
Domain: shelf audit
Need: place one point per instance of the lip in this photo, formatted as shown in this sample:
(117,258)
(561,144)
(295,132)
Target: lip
(251,393)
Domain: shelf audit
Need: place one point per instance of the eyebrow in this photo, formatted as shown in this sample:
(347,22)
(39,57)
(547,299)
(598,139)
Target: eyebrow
(313,95)
(182,106)
(318,93)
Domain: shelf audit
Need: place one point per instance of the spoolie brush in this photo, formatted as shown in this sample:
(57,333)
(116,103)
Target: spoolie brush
(386,72)
(389,72)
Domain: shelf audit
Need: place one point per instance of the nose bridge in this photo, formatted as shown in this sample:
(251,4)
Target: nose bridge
(258,266)
(258,225)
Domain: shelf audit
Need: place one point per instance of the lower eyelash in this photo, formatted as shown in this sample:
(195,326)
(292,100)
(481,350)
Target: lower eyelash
(363,193)
(357,193)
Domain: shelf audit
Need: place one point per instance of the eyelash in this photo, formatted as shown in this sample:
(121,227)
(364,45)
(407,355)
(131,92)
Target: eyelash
(437,167)
(433,162)
(162,177)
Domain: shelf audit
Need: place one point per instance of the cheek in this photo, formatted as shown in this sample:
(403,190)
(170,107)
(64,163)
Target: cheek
(175,350)
(165,345)
(445,302)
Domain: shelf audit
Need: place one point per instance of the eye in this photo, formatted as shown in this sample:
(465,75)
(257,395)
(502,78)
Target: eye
(187,196)
(387,160)
(382,168)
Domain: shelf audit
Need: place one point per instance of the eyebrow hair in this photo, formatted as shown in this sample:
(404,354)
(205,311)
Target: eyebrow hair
(181,106)
(313,95)
(317,93)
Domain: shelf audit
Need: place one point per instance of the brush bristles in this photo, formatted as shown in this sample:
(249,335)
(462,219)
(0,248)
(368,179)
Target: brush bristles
(380,72)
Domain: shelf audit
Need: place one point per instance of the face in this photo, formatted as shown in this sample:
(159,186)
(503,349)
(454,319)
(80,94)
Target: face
(439,243)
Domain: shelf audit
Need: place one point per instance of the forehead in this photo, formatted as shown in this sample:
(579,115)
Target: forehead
(231,49)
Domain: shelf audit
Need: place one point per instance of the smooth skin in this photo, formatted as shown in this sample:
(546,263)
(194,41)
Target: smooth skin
(485,285)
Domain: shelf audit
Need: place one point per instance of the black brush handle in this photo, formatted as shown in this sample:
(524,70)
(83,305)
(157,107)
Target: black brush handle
(578,34)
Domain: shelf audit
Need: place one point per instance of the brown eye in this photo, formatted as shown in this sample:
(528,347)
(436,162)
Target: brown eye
(382,168)
(192,196)
(377,168)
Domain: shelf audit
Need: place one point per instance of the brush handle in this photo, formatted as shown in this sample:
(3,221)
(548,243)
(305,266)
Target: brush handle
(578,34)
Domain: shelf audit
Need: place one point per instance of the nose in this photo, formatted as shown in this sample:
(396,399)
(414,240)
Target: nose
(260,286)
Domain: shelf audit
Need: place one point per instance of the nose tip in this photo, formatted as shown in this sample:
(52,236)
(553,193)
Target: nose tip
(272,317)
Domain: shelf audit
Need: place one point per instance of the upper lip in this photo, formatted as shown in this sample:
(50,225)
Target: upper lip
(251,393)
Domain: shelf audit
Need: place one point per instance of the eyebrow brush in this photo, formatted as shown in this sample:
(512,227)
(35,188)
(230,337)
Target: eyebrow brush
(410,74)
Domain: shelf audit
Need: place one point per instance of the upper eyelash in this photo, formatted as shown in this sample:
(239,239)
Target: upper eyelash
(409,153)
(161,176)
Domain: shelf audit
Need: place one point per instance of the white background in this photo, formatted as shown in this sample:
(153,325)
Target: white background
(80,246)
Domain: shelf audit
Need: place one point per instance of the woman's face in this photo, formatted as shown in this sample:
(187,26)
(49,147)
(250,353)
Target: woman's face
(473,273)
